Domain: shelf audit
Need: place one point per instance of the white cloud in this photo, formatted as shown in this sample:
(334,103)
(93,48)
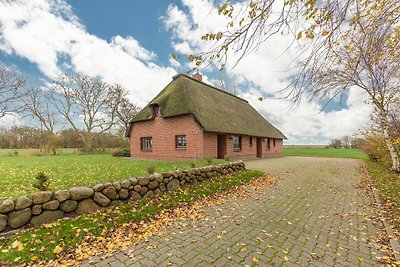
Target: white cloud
(267,71)
(46,31)
(10,120)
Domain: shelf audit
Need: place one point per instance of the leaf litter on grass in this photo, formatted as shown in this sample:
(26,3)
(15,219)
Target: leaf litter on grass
(130,233)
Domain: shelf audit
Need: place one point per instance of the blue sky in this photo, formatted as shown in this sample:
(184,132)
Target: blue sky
(131,42)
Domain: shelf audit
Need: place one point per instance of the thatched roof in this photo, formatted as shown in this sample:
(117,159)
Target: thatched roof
(213,109)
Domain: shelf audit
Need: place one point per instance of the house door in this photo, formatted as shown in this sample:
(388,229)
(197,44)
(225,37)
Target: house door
(221,146)
(259,147)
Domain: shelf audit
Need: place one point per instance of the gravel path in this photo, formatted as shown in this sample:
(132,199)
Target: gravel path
(316,216)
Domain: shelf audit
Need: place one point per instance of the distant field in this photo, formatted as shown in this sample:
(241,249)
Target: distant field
(37,152)
(324,152)
(17,173)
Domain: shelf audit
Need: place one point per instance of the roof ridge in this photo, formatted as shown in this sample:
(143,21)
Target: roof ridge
(208,85)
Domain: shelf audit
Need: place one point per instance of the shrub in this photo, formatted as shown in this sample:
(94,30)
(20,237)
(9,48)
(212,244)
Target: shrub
(117,153)
(192,165)
(43,182)
(127,152)
(227,158)
(151,169)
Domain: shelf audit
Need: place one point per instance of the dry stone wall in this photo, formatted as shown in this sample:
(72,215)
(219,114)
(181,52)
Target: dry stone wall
(46,206)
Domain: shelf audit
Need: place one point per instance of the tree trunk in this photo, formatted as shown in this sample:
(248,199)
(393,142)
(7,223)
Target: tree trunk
(392,151)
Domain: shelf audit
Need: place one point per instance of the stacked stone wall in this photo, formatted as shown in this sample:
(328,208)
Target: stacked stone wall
(46,206)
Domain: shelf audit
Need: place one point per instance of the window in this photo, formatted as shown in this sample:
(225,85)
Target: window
(155,110)
(146,143)
(237,142)
(180,141)
(251,141)
(266,144)
(274,142)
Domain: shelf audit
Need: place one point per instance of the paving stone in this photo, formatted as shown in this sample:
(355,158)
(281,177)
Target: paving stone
(288,225)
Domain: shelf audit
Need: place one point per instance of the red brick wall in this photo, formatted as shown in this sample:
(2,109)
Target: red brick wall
(274,151)
(210,144)
(250,152)
(199,144)
(246,152)
(163,131)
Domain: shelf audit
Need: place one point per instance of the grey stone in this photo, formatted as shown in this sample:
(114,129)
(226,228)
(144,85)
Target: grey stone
(162,187)
(143,181)
(62,195)
(106,185)
(51,205)
(101,199)
(87,206)
(6,206)
(182,182)
(157,191)
(116,203)
(143,190)
(133,181)
(136,196)
(80,192)
(125,184)
(173,185)
(130,188)
(22,203)
(3,221)
(117,185)
(166,174)
(41,197)
(137,188)
(68,205)
(18,218)
(149,194)
(47,216)
(209,175)
(36,209)
(98,187)
(123,194)
(159,177)
(153,185)
(110,192)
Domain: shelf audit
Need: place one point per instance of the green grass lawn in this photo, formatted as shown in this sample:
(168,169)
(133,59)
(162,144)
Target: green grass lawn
(17,173)
(325,152)
(4,152)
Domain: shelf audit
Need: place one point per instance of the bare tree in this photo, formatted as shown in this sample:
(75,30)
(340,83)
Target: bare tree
(11,84)
(37,105)
(87,104)
(353,43)
(126,112)
(365,56)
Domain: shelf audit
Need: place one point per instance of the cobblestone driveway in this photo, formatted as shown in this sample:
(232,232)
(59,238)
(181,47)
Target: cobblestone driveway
(315,216)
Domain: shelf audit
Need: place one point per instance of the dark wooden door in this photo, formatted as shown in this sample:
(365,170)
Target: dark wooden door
(221,146)
(259,147)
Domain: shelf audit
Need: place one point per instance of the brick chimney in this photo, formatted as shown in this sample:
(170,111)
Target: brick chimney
(198,76)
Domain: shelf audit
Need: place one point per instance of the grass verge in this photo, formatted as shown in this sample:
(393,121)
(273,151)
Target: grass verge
(388,184)
(38,245)
(325,152)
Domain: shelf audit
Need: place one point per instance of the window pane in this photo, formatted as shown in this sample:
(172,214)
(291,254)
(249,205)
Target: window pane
(180,140)
(146,143)
(236,142)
